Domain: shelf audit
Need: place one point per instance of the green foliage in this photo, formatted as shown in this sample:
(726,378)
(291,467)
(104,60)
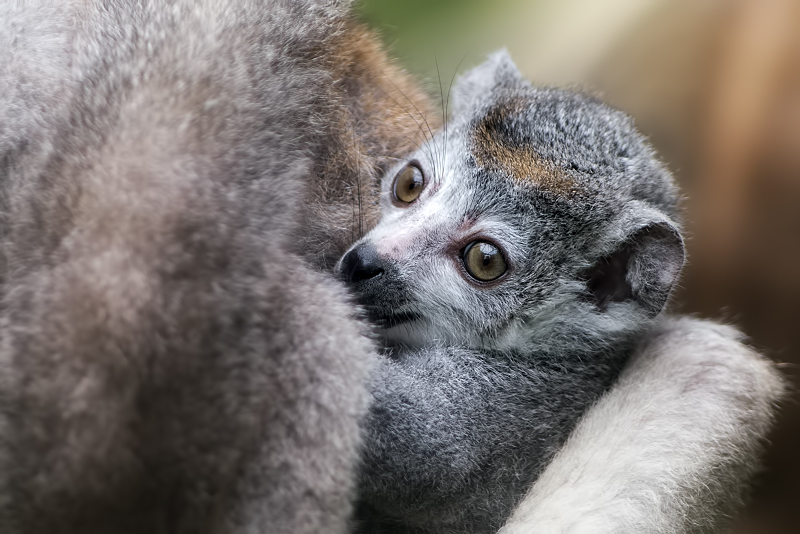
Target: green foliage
(422,33)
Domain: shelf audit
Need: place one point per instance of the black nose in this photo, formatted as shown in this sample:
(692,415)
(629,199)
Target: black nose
(361,263)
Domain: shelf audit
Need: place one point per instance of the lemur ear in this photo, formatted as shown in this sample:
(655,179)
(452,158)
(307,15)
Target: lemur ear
(497,71)
(643,269)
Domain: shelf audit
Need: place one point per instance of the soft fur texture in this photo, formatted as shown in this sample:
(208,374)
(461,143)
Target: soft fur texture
(484,380)
(697,406)
(170,361)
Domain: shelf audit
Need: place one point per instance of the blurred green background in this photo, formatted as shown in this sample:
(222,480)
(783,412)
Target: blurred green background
(715,85)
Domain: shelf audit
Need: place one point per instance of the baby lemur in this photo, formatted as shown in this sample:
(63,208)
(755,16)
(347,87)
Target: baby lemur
(520,255)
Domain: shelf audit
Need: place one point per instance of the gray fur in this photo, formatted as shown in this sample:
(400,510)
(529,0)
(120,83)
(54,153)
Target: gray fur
(169,360)
(697,404)
(170,363)
(483,384)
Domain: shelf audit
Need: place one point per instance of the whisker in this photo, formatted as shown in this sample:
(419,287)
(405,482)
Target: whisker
(424,119)
(421,146)
(360,206)
(358,187)
(441,102)
(447,102)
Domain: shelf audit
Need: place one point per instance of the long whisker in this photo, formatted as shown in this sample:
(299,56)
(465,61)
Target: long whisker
(358,186)
(444,116)
(360,206)
(425,120)
(447,102)
(353,222)
(422,146)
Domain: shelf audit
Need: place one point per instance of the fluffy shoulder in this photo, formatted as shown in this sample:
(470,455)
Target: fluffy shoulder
(671,448)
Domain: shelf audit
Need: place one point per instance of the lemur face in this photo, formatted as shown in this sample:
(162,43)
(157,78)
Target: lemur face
(535,204)
(450,260)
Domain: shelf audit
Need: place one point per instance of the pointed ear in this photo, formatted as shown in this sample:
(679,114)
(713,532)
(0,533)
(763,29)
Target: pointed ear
(643,269)
(497,71)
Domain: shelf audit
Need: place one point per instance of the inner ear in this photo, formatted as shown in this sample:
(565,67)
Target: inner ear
(606,279)
(643,269)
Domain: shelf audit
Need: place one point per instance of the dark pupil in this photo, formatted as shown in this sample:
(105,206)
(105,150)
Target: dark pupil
(411,180)
(489,253)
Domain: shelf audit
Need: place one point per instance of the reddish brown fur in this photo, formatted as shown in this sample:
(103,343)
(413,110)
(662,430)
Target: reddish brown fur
(519,163)
(381,114)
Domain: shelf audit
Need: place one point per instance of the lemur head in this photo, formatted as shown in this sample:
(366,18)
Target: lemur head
(540,219)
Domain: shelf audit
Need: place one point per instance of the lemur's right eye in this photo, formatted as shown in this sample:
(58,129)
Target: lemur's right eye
(484,261)
(408,184)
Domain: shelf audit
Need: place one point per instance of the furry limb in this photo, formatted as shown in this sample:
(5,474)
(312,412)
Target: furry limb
(671,448)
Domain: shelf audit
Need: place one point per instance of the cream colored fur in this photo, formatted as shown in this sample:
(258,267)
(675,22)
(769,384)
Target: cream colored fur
(670,448)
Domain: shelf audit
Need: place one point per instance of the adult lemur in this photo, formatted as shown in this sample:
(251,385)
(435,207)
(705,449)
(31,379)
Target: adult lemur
(171,172)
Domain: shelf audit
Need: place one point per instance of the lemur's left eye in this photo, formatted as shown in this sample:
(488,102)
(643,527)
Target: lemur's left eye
(484,261)
(408,184)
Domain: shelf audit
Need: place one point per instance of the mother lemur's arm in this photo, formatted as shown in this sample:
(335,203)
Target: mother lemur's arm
(670,448)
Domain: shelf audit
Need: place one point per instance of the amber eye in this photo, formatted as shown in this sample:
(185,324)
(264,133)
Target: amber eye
(408,184)
(484,261)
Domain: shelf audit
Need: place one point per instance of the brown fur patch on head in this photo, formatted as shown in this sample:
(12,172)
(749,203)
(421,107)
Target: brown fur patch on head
(496,151)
